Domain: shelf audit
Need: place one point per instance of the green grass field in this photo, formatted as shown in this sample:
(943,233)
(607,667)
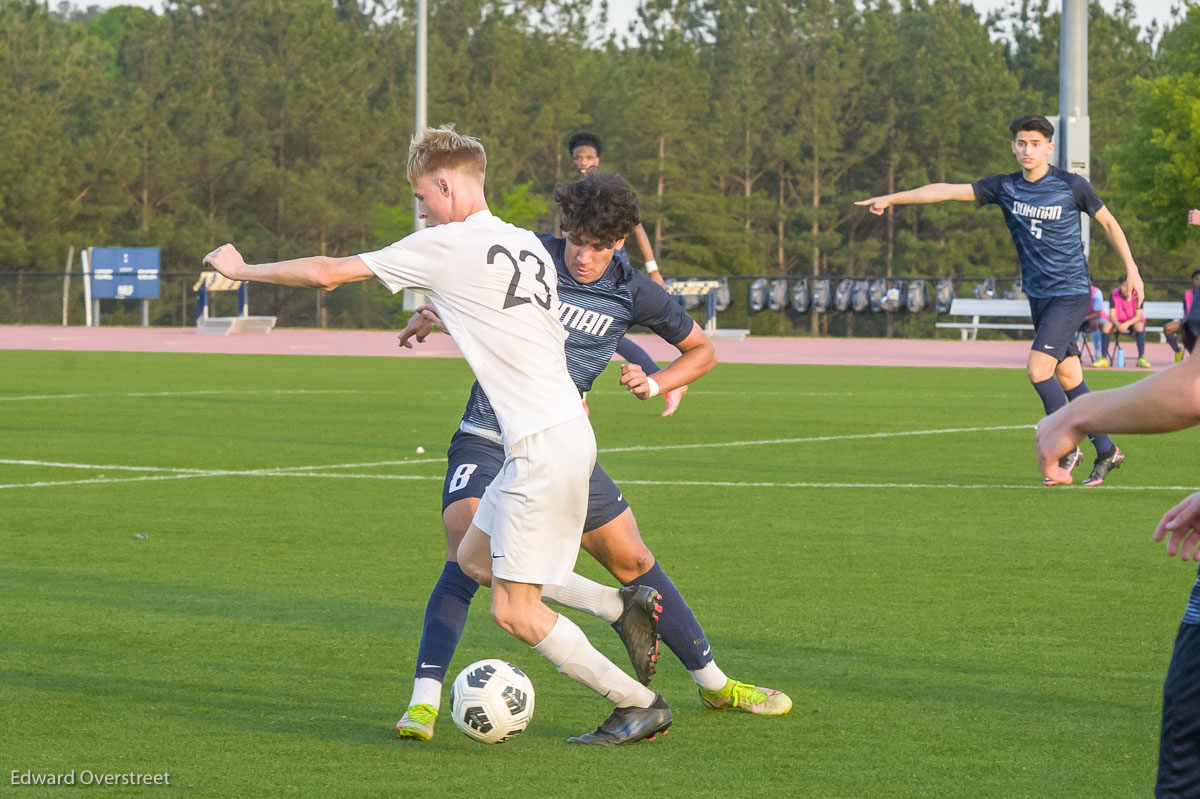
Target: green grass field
(945,625)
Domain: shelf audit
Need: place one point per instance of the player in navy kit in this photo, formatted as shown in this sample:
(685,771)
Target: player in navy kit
(585,148)
(1041,206)
(599,298)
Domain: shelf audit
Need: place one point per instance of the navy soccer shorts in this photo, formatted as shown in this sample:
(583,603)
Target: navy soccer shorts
(474,461)
(1055,322)
(1179,741)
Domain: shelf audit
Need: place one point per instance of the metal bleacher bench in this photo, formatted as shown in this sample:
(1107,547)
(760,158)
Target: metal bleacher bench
(988,309)
(1019,310)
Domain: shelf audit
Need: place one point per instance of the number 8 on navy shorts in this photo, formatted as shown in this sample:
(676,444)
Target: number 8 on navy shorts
(474,461)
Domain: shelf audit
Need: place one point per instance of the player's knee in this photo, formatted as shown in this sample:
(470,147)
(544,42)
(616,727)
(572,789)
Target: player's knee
(479,571)
(504,617)
(634,564)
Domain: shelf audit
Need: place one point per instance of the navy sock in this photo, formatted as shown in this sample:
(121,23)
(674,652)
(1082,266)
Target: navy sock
(635,354)
(1141,343)
(678,626)
(1052,394)
(1104,341)
(445,618)
(1173,340)
(1100,441)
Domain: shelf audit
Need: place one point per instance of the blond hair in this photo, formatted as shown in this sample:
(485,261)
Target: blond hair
(445,148)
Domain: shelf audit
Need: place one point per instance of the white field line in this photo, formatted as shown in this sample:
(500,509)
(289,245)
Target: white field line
(1035,485)
(813,439)
(164,472)
(203,393)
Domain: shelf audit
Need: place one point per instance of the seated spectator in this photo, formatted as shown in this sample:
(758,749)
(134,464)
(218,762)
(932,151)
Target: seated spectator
(1171,329)
(1127,316)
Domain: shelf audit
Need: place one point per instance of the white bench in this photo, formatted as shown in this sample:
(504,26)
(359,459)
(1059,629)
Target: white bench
(1019,309)
(988,309)
(1163,311)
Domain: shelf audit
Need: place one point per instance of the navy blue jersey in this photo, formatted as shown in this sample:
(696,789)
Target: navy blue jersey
(1043,218)
(596,316)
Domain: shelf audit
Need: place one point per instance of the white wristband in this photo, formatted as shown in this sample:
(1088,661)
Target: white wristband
(653,386)
(652,265)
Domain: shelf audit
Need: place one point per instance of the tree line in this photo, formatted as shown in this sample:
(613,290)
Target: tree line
(748,128)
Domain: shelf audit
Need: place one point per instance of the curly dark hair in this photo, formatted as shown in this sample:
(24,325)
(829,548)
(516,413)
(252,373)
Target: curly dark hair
(1032,122)
(598,208)
(584,137)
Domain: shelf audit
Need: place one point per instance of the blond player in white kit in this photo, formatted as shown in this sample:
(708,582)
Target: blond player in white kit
(495,288)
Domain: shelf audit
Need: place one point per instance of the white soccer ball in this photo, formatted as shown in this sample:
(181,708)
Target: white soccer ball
(491,701)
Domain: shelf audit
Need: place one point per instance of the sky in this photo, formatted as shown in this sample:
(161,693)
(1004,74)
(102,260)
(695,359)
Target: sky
(622,12)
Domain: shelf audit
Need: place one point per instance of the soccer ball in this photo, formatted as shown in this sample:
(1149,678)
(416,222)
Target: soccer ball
(491,701)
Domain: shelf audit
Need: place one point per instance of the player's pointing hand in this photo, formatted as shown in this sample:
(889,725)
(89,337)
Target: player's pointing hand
(878,204)
(226,260)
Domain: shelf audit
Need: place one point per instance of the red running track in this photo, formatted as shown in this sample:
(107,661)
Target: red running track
(291,341)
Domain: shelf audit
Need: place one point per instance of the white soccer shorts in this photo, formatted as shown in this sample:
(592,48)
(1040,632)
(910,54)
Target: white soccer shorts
(535,508)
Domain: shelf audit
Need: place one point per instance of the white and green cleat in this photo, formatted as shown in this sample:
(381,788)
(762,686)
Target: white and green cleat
(417,723)
(748,699)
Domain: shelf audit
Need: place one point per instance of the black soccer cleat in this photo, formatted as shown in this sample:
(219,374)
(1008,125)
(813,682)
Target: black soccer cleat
(638,628)
(629,725)
(1101,468)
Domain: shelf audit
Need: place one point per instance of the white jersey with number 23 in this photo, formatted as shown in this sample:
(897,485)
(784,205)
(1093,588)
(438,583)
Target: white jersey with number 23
(494,286)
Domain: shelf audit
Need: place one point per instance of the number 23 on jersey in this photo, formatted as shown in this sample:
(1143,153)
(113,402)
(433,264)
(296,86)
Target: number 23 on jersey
(516,292)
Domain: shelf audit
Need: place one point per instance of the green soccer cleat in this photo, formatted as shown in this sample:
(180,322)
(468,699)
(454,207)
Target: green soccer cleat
(417,723)
(1143,363)
(747,698)
(1100,363)
(1179,357)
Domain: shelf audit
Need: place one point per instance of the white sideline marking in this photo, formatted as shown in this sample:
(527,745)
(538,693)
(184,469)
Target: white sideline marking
(320,471)
(812,439)
(1007,486)
(205,393)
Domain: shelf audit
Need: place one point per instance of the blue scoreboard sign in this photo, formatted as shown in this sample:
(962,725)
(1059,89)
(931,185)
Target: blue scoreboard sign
(125,273)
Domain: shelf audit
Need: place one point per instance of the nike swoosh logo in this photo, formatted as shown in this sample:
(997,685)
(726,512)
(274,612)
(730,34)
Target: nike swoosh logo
(620,497)
(429,665)
(496,557)
(706,651)
(1047,346)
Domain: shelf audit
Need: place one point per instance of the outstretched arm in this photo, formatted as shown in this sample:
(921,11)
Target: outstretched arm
(930,193)
(697,358)
(1121,245)
(315,272)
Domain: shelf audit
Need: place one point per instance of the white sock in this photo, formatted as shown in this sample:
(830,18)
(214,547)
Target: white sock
(426,691)
(710,678)
(580,593)
(571,653)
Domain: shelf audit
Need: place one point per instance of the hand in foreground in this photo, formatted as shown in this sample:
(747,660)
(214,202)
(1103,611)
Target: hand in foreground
(226,260)
(420,325)
(878,204)
(635,380)
(1181,527)
(1055,438)
(1138,288)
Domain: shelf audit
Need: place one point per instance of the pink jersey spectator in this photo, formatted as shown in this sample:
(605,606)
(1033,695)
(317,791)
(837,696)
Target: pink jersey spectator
(1124,309)
(1187,301)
